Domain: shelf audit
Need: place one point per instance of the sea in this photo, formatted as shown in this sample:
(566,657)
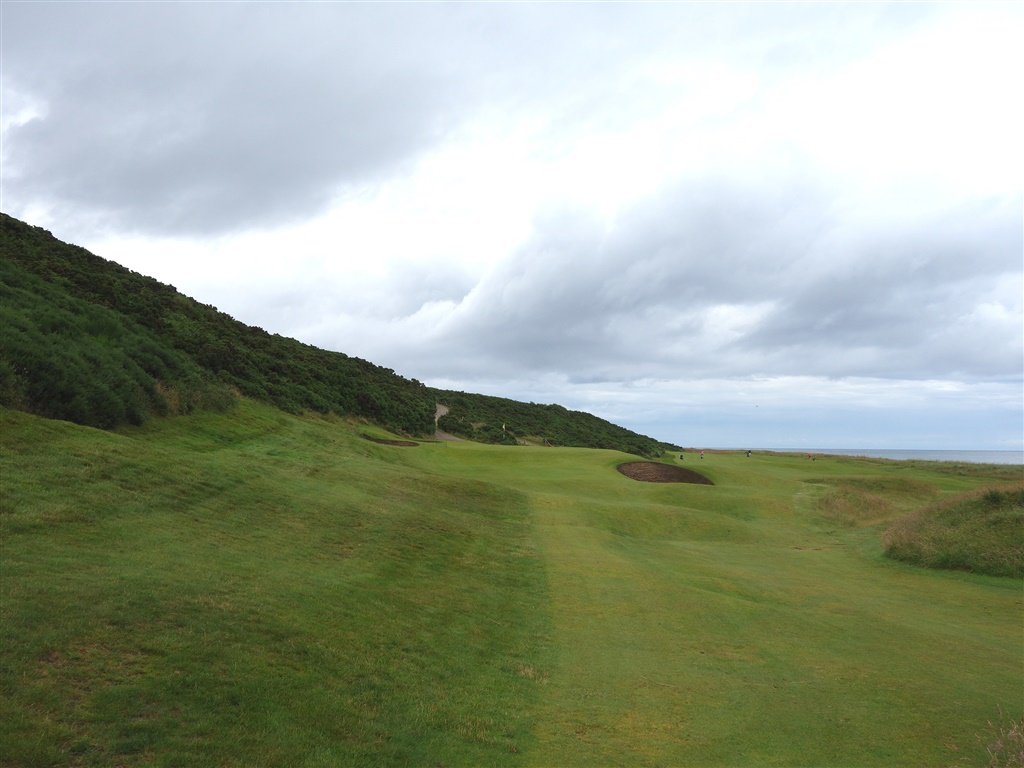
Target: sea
(973,457)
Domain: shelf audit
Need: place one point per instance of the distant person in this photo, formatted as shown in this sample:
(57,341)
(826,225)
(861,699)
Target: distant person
(748,454)
(680,457)
(702,454)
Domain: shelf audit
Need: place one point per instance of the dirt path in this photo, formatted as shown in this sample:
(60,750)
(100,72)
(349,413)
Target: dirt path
(442,410)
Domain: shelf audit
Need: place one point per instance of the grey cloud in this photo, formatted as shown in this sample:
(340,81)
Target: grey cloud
(647,299)
(899,305)
(208,118)
(567,295)
(212,118)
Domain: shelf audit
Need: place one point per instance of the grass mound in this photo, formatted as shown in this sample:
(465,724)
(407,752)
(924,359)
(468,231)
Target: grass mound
(256,589)
(857,501)
(980,531)
(1005,743)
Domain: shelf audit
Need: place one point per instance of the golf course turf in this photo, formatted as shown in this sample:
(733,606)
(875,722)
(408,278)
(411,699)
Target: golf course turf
(251,588)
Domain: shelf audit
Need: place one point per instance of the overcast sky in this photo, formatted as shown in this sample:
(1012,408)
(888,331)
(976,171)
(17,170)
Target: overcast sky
(766,225)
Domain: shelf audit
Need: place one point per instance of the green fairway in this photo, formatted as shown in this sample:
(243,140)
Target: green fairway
(256,589)
(739,625)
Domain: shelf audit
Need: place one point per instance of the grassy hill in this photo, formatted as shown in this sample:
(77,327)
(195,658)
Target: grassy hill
(283,372)
(87,340)
(499,420)
(65,358)
(255,588)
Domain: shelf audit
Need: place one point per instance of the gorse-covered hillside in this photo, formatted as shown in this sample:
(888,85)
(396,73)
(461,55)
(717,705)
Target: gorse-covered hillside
(500,420)
(87,340)
(65,358)
(283,372)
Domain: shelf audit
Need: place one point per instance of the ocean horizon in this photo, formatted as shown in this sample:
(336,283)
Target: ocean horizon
(972,457)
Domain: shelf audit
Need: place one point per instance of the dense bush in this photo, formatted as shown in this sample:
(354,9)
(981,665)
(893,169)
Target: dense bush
(65,358)
(271,368)
(482,433)
(499,420)
(981,531)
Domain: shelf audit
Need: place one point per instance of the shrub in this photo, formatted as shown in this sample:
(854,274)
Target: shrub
(500,420)
(65,358)
(115,307)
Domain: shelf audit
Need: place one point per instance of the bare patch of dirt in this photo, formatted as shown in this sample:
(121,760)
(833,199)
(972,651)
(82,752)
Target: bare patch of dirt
(438,434)
(402,443)
(654,472)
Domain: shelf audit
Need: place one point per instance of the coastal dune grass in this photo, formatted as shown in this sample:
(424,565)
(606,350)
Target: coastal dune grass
(257,589)
(980,531)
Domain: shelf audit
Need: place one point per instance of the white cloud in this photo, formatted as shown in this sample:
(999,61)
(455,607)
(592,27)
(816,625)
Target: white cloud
(670,207)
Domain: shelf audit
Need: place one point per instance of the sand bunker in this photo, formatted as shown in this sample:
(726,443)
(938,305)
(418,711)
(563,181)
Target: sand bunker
(653,472)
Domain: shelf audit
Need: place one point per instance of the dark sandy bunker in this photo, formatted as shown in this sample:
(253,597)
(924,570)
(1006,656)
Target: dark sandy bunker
(655,472)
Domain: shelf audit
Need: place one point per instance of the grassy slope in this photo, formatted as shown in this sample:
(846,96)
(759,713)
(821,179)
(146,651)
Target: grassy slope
(501,421)
(266,590)
(966,532)
(257,590)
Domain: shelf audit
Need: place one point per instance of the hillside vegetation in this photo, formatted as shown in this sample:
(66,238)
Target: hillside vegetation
(267,367)
(502,421)
(65,358)
(87,340)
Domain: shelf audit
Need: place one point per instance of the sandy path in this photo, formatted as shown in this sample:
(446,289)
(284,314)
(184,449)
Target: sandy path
(442,410)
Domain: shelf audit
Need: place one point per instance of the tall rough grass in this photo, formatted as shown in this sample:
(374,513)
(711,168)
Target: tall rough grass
(981,531)
(1005,744)
(857,501)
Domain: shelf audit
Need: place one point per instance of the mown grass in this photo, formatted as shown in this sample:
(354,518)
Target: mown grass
(257,591)
(737,625)
(260,589)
